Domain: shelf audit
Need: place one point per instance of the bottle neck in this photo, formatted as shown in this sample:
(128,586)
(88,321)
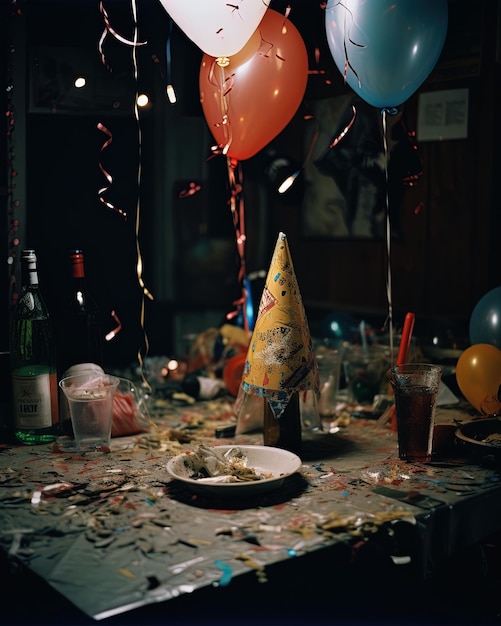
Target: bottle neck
(77,265)
(30,274)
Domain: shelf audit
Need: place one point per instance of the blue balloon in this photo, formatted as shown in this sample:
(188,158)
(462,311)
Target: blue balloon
(385,49)
(485,320)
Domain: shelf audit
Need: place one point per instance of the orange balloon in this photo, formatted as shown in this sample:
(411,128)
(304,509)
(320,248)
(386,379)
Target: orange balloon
(249,101)
(478,374)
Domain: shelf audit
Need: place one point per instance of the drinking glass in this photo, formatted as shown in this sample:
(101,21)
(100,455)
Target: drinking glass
(415,386)
(90,398)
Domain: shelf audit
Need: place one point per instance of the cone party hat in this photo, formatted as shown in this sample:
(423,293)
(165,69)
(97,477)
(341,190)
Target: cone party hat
(280,358)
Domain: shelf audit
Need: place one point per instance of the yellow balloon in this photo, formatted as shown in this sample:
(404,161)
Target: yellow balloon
(478,374)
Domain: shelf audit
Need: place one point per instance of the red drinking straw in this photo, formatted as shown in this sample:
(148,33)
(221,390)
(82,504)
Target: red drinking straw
(403,351)
(405,342)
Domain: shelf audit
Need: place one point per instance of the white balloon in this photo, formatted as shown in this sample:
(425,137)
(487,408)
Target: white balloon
(218,27)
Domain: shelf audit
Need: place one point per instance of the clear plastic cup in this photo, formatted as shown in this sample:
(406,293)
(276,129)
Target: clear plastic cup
(90,398)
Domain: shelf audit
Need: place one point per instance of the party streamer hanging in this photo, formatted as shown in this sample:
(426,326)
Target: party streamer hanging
(102,190)
(135,43)
(238,215)
(139,265)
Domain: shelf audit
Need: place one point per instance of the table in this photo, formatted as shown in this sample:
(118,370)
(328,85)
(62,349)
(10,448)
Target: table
(110,537)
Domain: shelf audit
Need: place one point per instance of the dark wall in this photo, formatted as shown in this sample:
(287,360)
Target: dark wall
(70,202)
(443,261)
(446,256)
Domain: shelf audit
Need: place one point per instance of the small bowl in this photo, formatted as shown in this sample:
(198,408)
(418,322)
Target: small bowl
(482,436)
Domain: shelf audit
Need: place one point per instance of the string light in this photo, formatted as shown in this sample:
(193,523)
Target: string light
(288,182)
(142,100)
(171,94)
(291,179)
(169,89)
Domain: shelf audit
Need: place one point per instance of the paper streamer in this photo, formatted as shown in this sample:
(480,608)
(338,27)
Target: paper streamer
(238,214)
(106,174)
(345,130)
(113,333)
(142,352)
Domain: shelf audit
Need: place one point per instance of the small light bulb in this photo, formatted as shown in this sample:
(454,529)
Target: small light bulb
(142,100)
(172,365)
(171,94)
(288,182)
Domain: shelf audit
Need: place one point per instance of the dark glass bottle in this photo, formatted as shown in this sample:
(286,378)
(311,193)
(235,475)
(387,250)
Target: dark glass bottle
(284,431)
(79,337)
(201,387)
(33,361)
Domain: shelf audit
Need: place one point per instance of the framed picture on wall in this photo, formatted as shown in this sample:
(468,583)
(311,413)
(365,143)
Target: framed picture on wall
(348,192)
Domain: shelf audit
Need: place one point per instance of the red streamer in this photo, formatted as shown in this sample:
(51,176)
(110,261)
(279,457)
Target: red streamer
(106,174)
(238,214)
(113,333)
(192,189)
(345,130)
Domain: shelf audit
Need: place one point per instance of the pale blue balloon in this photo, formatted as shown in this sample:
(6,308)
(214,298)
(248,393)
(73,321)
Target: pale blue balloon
(386,48)
(485,320)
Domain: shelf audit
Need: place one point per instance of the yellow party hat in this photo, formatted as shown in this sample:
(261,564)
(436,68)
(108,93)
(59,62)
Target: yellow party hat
(280,358)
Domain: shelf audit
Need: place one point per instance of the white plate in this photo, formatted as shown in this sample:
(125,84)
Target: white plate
(264,459)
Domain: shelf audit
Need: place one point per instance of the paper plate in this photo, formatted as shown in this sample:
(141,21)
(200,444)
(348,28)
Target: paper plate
(274,463)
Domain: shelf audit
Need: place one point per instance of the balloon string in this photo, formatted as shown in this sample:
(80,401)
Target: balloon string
(224,86)
(139,263)
(388,235)
(238,215)
(139,168)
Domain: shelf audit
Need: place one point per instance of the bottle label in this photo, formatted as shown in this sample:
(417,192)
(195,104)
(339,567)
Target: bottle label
(32,401)
(29,301)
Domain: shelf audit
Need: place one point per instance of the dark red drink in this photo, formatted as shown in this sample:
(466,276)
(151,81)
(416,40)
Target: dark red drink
(415,409)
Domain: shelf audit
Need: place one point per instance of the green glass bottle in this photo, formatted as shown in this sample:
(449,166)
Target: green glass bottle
(33,361)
